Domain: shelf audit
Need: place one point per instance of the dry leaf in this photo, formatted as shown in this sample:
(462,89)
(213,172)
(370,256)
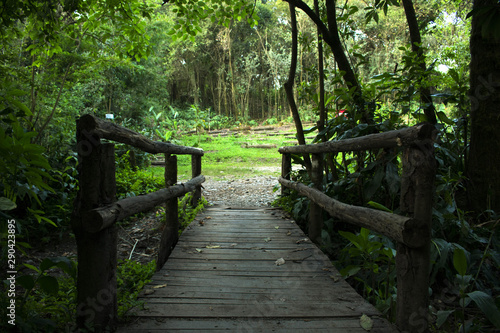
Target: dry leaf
(277,227)
(366,322)
(160,286)
(335,278)
(280,262)
(213,246)
(199,250)
(268,239)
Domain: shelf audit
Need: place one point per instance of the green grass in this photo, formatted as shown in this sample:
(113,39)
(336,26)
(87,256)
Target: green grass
(225,157)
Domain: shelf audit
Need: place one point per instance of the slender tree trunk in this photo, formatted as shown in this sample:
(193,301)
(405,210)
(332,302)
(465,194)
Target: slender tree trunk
(484,154)
(332,38)
(321,79)
(416,41)
(290,83)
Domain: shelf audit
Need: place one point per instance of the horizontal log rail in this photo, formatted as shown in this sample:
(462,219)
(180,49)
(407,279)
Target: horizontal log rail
(110,131)
(96,211)
(392,139)
(402,229)
(412,234)
(100,218)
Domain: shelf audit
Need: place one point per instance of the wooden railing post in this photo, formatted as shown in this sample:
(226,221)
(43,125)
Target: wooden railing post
(286,170)
(315,211)
(196,171)
(97,252)
(170,233)
(413,264)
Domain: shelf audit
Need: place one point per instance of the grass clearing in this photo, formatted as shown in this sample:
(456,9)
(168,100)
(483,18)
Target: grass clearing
(226,156)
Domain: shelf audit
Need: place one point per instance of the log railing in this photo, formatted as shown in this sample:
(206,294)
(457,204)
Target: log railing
(412,232)
(96,211)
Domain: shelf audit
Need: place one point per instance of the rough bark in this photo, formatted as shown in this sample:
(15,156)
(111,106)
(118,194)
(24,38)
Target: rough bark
(315,210)
(97,252)
(399,228)
(170,234)
(392,139)
(413,264)
(108,130)
(100,218)
(484,153)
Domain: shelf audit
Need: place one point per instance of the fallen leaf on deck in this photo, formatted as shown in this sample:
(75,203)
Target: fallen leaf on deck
(288,233)
(280,262)
(366,322)
(213,246)
(303,240)
(160,286)
(199,250)
(277,227)
(268,239)
(335,278)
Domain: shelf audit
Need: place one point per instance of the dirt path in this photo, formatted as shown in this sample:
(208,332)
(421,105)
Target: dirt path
(139,238)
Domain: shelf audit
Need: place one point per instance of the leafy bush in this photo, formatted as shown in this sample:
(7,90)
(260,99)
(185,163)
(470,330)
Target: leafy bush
(131,183)
(49,300)
(131,278)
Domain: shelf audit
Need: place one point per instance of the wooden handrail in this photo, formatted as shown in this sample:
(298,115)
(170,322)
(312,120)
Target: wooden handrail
(413,234)
(96,211)
(402,229)
(111,131)
(392,139)
(99,218)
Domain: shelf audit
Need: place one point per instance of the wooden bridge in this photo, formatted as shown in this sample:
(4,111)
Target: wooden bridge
(250,270)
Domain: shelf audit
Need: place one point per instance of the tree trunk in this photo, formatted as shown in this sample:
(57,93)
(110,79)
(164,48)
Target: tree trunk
(416,40)
(332,38)
(290,83)
(484,154)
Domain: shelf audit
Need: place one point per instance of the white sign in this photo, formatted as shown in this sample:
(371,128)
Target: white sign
(109,116)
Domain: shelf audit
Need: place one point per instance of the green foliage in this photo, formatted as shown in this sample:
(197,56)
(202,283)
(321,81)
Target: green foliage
(369,260)
(131,182)
(24,168)
(131,278)
(187,212)
(48,303)
(191,13)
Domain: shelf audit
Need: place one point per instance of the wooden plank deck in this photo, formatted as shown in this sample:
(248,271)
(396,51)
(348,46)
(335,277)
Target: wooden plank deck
(223,276)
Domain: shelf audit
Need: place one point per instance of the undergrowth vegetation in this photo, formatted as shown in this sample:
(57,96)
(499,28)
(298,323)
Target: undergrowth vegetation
(465,249)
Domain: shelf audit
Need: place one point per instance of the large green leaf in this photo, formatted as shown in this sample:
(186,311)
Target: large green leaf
(49,284)
(7,204)
(460,261)
(26,281)
(487,304)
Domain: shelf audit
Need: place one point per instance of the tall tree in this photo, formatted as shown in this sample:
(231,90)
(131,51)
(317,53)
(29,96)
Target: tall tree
(416,41)
(484,156)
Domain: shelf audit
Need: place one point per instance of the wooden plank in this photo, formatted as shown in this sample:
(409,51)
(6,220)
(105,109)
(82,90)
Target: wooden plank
(316,325)
(223,276)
